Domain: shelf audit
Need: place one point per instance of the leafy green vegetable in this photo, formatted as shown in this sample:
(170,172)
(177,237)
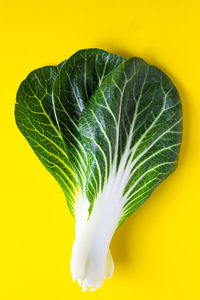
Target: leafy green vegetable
(109,131)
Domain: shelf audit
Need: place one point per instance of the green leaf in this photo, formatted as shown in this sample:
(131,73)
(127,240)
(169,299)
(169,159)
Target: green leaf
(79,78)
(109,130)
(36,120)
(131,130)
(49,103)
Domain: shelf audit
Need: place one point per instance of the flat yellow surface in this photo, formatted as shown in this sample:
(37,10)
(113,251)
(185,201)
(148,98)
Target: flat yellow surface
(156,252)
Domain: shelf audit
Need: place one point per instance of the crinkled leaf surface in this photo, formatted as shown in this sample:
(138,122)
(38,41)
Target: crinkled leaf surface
(49,122)
(36,120)
(78,79)
(131,130)
(98,119)
(109,131)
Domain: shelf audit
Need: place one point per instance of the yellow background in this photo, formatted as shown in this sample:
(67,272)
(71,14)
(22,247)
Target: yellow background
(156,252)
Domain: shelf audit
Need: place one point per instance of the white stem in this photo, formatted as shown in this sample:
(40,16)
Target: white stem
(91,260)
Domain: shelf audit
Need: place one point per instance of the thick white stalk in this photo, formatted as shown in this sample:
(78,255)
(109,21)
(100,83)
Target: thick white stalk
(91,260)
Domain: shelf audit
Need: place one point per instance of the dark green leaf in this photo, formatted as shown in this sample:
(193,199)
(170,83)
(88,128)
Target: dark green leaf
(131,129)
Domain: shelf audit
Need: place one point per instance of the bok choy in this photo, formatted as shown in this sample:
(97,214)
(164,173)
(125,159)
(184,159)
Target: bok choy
(109,130)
